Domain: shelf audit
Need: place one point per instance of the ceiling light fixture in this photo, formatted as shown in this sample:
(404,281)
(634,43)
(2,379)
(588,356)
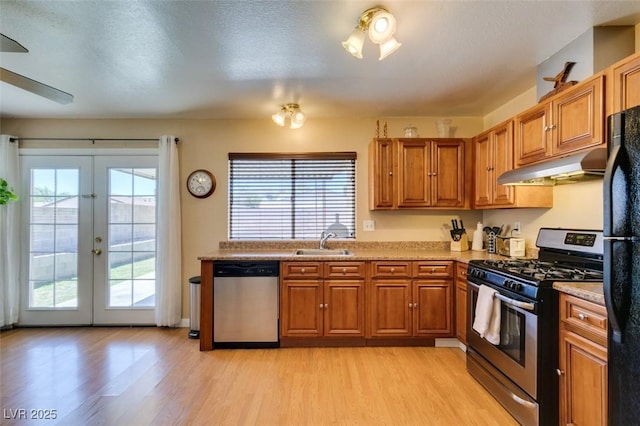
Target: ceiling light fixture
(381,26)
(291,111)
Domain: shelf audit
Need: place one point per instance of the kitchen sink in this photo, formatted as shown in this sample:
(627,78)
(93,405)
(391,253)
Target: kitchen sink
(322,252)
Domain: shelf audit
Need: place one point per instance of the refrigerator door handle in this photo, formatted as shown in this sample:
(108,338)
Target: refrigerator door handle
(612,165)
(631,239)
(617,327)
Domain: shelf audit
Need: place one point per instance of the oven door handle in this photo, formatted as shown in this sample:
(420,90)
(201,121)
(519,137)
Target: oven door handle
(524,402)
(524,305)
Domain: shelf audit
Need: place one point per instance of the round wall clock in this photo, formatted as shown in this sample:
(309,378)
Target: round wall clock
(201,183)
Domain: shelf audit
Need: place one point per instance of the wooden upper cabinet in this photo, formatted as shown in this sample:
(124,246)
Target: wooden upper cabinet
(483,161)
(381,174)
(623,84)
(493,155)
(414,173)
(569,122)
(532,139)
(502,162)
(447,173)
(417,173)
(578,117)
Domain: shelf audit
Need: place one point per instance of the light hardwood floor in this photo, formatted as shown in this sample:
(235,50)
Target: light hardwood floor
(151,376)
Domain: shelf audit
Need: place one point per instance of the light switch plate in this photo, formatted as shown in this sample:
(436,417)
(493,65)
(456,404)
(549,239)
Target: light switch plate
(368,225)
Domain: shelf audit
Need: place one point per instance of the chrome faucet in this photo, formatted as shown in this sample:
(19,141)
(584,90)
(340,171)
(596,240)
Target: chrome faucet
(324,237)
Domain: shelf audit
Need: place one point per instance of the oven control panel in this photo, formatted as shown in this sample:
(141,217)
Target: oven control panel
(580,239)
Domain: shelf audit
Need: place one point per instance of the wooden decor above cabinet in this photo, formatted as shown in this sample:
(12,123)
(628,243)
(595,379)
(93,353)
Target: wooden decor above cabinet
(492,156)
(418,173)
(569,122)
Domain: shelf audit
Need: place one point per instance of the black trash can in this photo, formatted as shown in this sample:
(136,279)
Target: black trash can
(194,318)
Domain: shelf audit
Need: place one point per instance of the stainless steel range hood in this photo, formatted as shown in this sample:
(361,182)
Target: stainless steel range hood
(570,169)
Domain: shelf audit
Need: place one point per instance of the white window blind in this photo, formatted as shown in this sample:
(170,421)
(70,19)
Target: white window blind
(291,196)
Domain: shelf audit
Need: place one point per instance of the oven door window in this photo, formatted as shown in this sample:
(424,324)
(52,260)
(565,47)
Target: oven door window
(512,333)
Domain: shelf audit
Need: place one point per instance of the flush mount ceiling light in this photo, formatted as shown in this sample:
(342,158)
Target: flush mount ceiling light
(291,111)
(381,25)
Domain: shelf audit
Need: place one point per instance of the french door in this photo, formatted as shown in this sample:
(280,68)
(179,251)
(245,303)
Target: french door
(89,246)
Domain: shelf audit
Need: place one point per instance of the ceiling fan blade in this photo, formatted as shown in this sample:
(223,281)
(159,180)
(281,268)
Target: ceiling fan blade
(10,45)
(36,87)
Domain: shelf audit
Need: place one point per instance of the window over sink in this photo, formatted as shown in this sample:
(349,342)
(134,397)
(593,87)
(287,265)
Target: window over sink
(291,196)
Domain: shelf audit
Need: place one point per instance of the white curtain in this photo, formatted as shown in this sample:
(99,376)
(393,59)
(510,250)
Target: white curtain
(169,240)
(9,236)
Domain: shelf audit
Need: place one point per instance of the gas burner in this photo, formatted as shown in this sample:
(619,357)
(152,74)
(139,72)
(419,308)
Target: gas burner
(541,270)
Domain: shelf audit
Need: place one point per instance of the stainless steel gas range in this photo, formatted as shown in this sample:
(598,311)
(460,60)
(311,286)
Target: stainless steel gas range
(520,370)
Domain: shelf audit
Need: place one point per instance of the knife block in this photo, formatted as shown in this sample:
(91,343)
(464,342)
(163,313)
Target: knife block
(462,245)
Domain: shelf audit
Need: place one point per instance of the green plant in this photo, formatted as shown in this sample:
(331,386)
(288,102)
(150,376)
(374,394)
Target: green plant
(6,194)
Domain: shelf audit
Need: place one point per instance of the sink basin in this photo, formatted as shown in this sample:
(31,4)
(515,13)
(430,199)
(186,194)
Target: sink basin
(322,252)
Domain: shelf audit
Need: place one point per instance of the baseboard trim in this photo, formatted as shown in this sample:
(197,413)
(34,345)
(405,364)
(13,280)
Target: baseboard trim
(447,343)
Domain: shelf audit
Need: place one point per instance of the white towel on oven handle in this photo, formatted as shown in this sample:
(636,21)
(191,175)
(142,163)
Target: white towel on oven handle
(487,315)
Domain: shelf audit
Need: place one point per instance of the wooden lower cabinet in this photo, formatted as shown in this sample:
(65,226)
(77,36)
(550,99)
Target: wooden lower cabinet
(411,299)
(583,362)
(319,299)
(461,302)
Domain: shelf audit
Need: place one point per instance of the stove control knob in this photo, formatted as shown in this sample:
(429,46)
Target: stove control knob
(508,283)
(517,286)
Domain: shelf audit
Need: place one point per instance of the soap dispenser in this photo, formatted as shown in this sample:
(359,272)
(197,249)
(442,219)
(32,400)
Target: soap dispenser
(477,238)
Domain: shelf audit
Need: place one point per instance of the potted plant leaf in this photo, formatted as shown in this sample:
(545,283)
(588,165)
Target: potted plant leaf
(6,194)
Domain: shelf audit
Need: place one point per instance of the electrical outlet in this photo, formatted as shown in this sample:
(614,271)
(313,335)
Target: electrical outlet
(368,225)
(516,229)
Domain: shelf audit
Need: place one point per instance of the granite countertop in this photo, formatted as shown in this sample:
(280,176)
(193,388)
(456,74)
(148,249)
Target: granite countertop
(383,251)
(591,291)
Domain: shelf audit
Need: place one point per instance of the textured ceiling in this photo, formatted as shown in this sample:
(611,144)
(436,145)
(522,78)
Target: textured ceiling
(244,58)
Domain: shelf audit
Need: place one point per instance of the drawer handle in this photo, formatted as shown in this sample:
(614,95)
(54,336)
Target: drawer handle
(433,270)
(393,270)
(344,271)
(582,317)
(303,270)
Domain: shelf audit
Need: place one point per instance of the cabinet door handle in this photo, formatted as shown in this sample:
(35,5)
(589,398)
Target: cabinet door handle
(582,317)
(390,173)
(559,372)
(97,252)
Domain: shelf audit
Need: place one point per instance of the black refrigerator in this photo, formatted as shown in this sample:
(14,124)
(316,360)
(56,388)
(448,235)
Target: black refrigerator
(622,265)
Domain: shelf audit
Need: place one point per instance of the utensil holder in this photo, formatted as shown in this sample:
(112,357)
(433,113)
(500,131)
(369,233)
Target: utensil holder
(491,243)
(461,245)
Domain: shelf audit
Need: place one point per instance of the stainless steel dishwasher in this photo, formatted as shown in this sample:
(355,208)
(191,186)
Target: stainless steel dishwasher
(245,304)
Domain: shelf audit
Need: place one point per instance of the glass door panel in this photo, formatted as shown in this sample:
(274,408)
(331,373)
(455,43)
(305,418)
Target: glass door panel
(125,293)
(57,204)
(90,224)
